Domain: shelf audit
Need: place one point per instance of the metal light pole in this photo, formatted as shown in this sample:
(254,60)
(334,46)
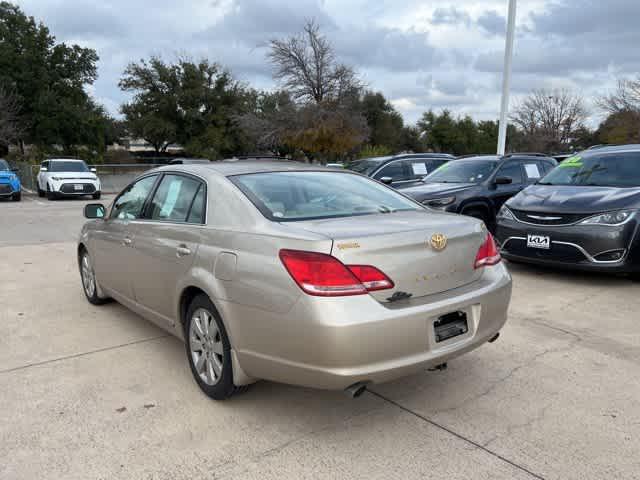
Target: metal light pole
(506,78)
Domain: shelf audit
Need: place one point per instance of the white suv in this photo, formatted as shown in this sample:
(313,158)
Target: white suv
(63,177)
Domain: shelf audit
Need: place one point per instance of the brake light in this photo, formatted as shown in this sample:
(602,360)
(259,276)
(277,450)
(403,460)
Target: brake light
(488,253)
(371,278)
(325,276)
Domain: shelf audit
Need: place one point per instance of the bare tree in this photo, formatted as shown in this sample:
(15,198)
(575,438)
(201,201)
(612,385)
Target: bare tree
(306,66)
(625,98)
(550,119)
(9,119)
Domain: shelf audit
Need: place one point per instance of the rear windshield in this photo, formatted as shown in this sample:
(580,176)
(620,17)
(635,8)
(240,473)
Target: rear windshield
(463,171)
(297,196)
(597,169)
(62,166)
(3,165)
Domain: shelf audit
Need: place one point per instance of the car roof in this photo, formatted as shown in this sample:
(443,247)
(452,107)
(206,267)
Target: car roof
(631,147)
(64,160)
(229,168)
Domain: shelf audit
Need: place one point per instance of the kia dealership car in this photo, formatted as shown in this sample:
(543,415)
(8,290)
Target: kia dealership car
(294,273)
(9,182)
(584,214)
(67,178)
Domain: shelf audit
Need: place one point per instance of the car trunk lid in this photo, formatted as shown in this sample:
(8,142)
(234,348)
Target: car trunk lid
(399,244)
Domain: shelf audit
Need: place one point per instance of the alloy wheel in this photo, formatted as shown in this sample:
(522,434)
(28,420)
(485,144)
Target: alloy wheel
(88,276)
(205,346)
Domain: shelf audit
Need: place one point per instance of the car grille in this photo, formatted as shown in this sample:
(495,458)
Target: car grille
(70,188)
(558,252)
(544,218)
(5,188)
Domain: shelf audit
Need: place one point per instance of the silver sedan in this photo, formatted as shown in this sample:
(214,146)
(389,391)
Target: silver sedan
(297,274)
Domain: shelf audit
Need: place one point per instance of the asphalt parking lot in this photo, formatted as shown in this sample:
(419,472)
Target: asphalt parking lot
(97,392)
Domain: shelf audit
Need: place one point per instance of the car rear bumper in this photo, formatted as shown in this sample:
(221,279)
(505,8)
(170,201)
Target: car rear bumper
(582,247)
(334,343)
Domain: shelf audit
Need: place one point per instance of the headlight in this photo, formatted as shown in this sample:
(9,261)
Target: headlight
(505,214)
(57,179)
(439,202)
(610,218)
(13,177)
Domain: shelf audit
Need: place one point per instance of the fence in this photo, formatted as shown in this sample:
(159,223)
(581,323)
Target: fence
(114,177)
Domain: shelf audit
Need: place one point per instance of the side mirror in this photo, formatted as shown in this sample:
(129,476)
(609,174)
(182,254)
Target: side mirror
(94,210)
(502,180)
(93,169)
(387,180)
(43,169)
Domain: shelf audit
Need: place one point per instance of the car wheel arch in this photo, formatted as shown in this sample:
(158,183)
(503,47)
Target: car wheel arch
(476,205)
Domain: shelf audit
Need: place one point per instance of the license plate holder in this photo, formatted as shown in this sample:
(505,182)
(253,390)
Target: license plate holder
(542,242)
(450,325)
(78,187)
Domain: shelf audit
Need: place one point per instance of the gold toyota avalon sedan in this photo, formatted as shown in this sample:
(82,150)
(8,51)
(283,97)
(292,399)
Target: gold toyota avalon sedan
(294,273)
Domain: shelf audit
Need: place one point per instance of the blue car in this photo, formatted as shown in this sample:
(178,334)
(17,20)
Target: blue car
(9,182)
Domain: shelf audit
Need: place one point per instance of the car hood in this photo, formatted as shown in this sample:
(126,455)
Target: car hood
(572,199)
(435,190)
(6,175)
(75,175)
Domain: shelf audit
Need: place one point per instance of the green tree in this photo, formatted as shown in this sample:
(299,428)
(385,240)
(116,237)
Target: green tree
(48,79)
(385,123)
(194,104)
(619,127)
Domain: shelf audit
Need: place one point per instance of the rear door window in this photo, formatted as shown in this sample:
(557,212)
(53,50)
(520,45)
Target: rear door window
(173,198)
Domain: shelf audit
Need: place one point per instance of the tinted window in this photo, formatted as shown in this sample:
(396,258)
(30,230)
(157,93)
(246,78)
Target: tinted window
(173,198)
(4,165)
(463,171)
(291,196)
(511,170)
(394,170)
(128,206)
(45,164)
(196,215)
(62,166)
(366,166)
(597,169)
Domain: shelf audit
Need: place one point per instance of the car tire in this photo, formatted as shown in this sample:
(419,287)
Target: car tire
(50,195)
(16,197)
(88,277)
(96,196)
(209,350)
(40,192)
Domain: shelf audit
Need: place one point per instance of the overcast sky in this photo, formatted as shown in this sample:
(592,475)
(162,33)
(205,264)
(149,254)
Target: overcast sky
(421,54)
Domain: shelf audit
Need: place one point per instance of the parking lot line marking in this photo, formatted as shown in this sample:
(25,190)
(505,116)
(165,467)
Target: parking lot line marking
(457,435)
(77,355)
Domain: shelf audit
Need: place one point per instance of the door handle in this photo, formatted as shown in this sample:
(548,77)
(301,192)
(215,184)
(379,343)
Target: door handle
(183,251)
(126,241)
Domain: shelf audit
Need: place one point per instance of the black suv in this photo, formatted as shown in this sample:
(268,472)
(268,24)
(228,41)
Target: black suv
(479,185)
(400,171)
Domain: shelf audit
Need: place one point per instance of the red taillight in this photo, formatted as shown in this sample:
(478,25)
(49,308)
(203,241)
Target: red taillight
(488,253)
(323,275)
(372,278)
